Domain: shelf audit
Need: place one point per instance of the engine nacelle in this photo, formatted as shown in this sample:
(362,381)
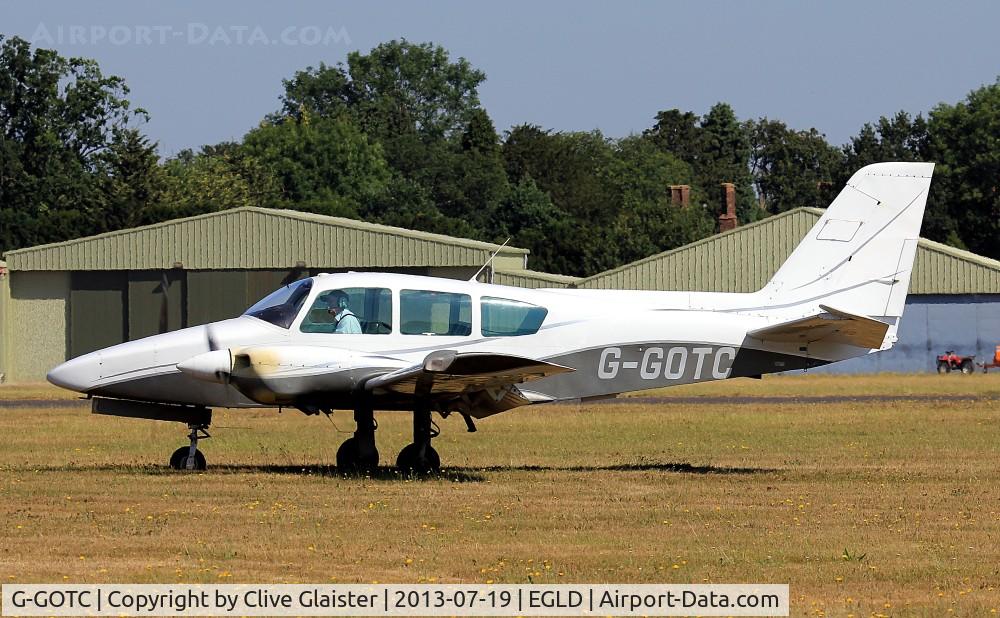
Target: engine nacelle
(282,374)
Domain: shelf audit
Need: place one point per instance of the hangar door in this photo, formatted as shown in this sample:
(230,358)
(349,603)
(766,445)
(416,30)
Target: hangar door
(156,302)
(222,294)
(98,310)
(109,307)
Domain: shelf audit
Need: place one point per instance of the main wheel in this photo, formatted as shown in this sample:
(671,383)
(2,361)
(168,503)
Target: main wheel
(943,367)
(967,366)
(350,458)
(410,461)
(178,461)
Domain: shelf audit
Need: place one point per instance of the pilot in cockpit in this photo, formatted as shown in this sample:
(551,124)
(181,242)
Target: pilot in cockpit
(347,322)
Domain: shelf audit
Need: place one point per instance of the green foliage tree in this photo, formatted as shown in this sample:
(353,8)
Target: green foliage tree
(321,164)
(218,178)
(792,168)
(134,181)
(422,109)
(568,168)
(646,222)
(464,175)
(398,88)
(58,119)
(965,142)
(564,165)
(528,217)
(904,138)
(408,204)
(900,138)
(725,157)
(609,198)
(718,148)
(677,132)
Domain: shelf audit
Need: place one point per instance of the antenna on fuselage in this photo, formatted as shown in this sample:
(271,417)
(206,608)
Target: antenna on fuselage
(499,249)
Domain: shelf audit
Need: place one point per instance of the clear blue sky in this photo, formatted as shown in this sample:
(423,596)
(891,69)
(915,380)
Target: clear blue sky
(561,65)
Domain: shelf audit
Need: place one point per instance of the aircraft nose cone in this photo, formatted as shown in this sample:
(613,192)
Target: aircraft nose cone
(77,374)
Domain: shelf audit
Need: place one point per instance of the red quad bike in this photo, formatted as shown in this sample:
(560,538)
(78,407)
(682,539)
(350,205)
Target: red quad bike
(949,361)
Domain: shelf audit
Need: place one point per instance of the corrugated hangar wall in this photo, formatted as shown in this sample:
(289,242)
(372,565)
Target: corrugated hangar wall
(260,239)
(36,323)
(70,298)
(4,321)
(532,279)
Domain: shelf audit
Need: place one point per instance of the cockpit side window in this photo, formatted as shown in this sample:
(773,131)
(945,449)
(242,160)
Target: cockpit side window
(510,318)
(282,305)
(426,312)
(350,311)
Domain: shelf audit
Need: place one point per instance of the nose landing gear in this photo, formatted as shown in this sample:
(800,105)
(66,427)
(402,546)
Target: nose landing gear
(189,457)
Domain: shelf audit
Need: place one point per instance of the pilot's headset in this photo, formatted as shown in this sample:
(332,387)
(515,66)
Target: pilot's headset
(341,299)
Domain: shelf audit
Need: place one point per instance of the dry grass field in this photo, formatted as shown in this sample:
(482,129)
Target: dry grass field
(865,507)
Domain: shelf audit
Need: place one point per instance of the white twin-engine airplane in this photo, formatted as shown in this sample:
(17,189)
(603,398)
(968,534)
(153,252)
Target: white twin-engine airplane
(376,341)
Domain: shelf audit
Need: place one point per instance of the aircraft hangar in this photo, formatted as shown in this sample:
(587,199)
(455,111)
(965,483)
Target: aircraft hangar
(953,303)
(61,300)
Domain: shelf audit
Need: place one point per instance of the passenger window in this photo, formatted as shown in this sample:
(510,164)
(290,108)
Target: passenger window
(510,318)
(350,311)
(423,312)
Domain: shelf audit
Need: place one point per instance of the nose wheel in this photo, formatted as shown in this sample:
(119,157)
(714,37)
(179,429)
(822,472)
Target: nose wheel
(189,457)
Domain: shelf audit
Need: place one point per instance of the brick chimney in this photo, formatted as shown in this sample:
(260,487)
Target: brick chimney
(680,195)
(727,220)
(824,189)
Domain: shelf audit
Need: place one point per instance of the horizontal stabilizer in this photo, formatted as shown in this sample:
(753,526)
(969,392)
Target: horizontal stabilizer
(831,326)
(451,372)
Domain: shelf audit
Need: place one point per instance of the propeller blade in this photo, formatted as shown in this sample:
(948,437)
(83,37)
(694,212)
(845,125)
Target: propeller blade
(213,343)
(164,303)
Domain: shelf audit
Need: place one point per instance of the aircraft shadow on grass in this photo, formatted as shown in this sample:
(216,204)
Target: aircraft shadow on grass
(386,473)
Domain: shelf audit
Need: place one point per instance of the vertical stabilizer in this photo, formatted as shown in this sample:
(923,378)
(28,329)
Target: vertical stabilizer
(859,255)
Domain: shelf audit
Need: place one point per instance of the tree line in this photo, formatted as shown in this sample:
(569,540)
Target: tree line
(399,136)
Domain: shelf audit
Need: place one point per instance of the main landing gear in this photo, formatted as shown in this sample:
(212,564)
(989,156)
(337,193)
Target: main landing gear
(420,457)
(189,457)
(358,454)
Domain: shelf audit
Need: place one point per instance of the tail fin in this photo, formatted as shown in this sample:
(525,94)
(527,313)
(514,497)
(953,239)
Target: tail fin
(859,255)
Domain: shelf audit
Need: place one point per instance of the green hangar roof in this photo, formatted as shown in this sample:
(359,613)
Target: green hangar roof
(262,238)
(744,259)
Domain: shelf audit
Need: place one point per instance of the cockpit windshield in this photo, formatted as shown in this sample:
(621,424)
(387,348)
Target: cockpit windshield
(281,306)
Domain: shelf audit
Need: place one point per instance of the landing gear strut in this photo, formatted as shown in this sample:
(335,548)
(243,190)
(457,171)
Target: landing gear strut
(189,457)
(358,454)
(420,457)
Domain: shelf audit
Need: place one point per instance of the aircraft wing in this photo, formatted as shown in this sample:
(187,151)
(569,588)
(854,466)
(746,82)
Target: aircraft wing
(833,326)
(448,372)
